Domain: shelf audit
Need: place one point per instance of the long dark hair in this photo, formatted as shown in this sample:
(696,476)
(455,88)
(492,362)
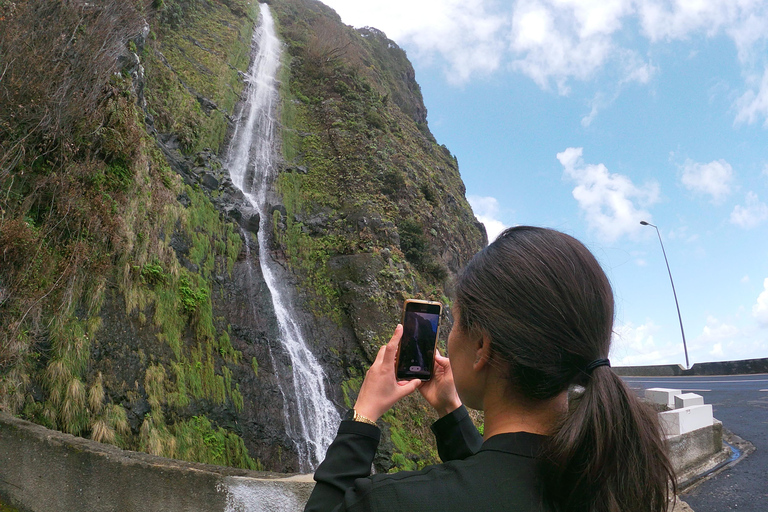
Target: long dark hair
(547,308)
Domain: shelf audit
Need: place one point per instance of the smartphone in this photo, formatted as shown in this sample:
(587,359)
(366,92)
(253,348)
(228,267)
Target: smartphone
(415,354)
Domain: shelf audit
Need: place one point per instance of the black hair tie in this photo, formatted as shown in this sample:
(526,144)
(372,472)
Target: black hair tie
(597,363)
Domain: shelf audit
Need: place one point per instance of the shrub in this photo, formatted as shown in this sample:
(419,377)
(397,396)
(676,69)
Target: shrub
(413,243)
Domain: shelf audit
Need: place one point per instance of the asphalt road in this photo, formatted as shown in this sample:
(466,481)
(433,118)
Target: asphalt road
(741,403)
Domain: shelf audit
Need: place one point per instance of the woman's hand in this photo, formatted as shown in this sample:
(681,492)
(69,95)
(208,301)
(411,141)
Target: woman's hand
(440,391)
(380,389)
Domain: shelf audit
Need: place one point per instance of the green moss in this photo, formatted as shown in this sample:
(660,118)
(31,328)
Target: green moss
(413,449)
(186,69)
(152,273)
(100,208)
(349,389)
(191,298)
(200,441)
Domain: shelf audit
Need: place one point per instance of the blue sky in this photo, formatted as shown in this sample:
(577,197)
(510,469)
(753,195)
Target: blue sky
(590,115)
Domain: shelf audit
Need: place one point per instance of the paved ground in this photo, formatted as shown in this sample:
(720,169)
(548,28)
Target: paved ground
(741,403)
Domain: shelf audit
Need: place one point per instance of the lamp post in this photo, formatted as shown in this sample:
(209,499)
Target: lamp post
(682,331)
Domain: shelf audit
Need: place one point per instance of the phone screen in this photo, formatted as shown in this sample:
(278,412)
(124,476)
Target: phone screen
(417,346)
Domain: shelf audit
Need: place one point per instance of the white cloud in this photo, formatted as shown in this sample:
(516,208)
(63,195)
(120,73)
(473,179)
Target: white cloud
(682,233)
(555,42)
(487,211)
(745,279)
(717,331)
(752,214)
(464,33)
(760,309)
(713,179)
(559,40)
(664,20)
(612,204)
(754,104)
(635,345)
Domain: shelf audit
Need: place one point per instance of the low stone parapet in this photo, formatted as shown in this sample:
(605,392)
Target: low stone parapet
(686,419)
(46,471)
(694,437)
(688,400)
(662,396)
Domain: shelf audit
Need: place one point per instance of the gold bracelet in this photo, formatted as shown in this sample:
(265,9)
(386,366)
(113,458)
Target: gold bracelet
(362,419)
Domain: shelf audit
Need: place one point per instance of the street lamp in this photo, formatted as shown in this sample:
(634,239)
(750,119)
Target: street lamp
(685,347)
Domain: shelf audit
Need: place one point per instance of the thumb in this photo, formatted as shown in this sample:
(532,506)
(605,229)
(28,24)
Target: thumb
(408,387)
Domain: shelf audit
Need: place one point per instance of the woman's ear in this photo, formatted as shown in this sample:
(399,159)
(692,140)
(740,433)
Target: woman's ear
(482,351)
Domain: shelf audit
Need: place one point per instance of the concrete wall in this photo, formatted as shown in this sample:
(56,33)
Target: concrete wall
(694,453)
(46,471)
(691,449)
(743,367)
(42,470)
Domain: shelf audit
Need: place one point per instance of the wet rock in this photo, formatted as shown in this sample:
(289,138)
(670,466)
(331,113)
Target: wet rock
(209,181)
(251,223)
(135,411)
(184,199)
(206,104)
(180,243)
(235,214)
(278,208)
(246,217)
(295,168)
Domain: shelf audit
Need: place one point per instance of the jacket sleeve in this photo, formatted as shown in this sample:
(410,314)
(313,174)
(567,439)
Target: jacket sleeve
(456,436)
(348,458)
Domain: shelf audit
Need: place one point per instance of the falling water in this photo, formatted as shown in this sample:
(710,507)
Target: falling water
(312,420)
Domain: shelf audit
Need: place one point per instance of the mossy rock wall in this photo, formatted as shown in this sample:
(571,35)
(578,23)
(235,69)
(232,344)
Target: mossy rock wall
(129,311)
(375,209)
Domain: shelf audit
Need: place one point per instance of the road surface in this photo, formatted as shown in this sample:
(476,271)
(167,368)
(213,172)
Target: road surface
(741,403)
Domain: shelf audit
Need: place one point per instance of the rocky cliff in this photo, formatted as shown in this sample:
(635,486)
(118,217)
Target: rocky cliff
(129,312)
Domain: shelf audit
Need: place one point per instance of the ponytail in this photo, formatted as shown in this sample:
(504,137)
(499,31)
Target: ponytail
(608,454)
(547,307)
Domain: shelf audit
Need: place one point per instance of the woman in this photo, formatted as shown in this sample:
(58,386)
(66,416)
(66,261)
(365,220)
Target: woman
(533,316)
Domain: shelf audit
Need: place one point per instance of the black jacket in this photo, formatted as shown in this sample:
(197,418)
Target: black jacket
(495,475)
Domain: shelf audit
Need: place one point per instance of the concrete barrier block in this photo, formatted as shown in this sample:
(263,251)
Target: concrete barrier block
(688,400)
(687,419)
(662,396)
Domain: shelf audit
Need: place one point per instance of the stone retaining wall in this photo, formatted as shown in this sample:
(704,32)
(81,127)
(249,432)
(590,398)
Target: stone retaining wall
(46,471)
(745,366)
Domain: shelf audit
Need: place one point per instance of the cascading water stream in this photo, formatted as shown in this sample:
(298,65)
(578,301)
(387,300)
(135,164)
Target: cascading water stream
(312,420)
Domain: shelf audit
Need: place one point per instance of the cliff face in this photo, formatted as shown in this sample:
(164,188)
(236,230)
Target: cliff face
(129,311)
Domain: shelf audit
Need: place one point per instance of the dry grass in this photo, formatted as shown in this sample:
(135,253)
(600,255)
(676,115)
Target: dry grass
(101,432)
(96,395)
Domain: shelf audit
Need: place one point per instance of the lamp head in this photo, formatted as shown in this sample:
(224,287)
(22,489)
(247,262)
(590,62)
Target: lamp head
(644,223)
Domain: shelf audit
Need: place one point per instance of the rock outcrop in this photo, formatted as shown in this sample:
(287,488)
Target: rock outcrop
(165,340)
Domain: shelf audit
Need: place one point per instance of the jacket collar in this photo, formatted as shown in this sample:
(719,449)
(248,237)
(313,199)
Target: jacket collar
(519,443)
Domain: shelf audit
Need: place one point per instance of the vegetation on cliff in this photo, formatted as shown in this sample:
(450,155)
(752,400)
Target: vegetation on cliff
(122,274)
(375,208)
(88,209)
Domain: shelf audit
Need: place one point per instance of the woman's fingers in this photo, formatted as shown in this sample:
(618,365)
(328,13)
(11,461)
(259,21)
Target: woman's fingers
(441,360)
(380,389)
(409,386)
(391,347)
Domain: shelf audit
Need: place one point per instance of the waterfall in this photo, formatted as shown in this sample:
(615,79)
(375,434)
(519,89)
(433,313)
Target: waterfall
(311,420)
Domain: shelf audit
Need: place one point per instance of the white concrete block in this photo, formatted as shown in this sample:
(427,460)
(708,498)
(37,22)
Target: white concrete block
(688,400)
(662,396)
(687,419)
